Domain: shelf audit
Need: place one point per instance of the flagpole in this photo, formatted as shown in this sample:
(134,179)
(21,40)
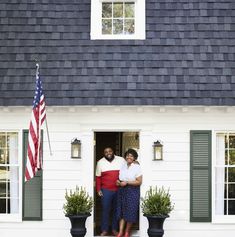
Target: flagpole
(48,137)
(49,141)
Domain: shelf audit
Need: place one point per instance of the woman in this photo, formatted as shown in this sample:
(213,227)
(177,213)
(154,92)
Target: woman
(130,179)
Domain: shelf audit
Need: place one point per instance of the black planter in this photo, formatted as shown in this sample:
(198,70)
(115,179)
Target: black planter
(156,225)
(78,228)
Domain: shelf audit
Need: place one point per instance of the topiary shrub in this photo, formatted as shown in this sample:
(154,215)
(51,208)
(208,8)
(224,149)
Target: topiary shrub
(156,202)
(77,202)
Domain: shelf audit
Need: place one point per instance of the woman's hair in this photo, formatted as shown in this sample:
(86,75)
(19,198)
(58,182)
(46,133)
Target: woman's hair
(132,152)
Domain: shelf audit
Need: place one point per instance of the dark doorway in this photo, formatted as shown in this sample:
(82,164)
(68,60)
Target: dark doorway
(120,142)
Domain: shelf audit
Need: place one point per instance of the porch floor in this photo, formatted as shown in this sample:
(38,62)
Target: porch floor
(133,234)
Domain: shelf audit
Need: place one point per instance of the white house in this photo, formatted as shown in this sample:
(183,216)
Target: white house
(168,77)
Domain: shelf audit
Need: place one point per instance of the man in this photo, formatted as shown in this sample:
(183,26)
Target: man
(107,173)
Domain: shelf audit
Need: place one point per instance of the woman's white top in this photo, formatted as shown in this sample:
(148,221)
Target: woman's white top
(130,173)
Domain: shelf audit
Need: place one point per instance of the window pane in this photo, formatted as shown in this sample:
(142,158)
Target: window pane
(226,141)
(232,141)
(2,205)
(8,189)
(231,174)
(129,9)
(9,205)
(231,191)
(225,191)
(231,207)
(9,175)
(3,174)
(226,175)
(106,26)
(7,156)
(225,207)
(117,10)
(129,26)
(106,10)
(117,26)
(3,187)
(232,157)
(2,140)
(3,157)
(226,157)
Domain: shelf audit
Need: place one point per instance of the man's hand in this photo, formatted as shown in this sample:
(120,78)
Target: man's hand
(100,194)
(118,182)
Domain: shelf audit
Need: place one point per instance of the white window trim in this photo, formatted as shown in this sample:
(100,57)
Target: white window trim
(18,216)
(218,219)
(96,26)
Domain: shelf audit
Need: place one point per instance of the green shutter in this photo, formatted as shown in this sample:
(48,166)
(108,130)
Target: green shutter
(200,176)
(32,190)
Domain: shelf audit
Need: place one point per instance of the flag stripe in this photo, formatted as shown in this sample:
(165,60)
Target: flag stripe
(34,161)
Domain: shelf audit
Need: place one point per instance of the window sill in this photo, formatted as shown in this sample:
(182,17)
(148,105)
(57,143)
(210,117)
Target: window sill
(117,37)
(223,219)
(10,218)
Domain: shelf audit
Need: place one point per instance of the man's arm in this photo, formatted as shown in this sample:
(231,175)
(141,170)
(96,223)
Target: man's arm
(98,186)
(98,180)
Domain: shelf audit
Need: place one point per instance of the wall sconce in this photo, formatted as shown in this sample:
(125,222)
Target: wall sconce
(157,150)
(75,149)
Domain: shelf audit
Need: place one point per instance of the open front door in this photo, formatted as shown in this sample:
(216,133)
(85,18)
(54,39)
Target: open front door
(120,142)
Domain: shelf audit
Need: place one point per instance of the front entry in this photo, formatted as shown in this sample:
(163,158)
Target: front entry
(120,142)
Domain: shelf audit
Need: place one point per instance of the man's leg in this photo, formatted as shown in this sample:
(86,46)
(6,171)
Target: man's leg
(106,202)
(114,207)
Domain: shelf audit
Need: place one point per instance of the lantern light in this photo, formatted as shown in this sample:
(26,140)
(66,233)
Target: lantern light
(158,150)
(76,149)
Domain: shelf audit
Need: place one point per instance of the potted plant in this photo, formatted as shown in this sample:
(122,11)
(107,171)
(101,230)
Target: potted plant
(77,208)
(156,206)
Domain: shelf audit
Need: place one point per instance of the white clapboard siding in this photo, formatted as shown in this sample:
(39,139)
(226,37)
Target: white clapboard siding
(62,174)
(61,184)
(172,126)
(175,155)
(45,224)
(57,155)
(173,224)
(170,165)
(53,214)
(67,165)
(175,175)
(36,232)
(50,204)
(172,185)
(197,232)
(55,193)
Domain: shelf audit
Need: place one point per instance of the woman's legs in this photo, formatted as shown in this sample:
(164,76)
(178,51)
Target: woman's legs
(128,229)
(121,227)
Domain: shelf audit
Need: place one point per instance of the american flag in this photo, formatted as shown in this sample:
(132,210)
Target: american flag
(34,162)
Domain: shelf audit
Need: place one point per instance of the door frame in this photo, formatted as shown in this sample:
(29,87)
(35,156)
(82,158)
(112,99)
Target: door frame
(94,165)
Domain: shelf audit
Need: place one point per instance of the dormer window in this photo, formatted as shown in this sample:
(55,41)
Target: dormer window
(117,19)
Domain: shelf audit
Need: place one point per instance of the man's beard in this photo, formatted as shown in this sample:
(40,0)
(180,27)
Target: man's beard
(109,158)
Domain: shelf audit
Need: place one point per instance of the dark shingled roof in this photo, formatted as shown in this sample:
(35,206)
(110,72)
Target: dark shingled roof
(188,57)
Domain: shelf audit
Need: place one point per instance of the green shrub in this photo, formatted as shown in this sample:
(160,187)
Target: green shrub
(156,202)
(77,202)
